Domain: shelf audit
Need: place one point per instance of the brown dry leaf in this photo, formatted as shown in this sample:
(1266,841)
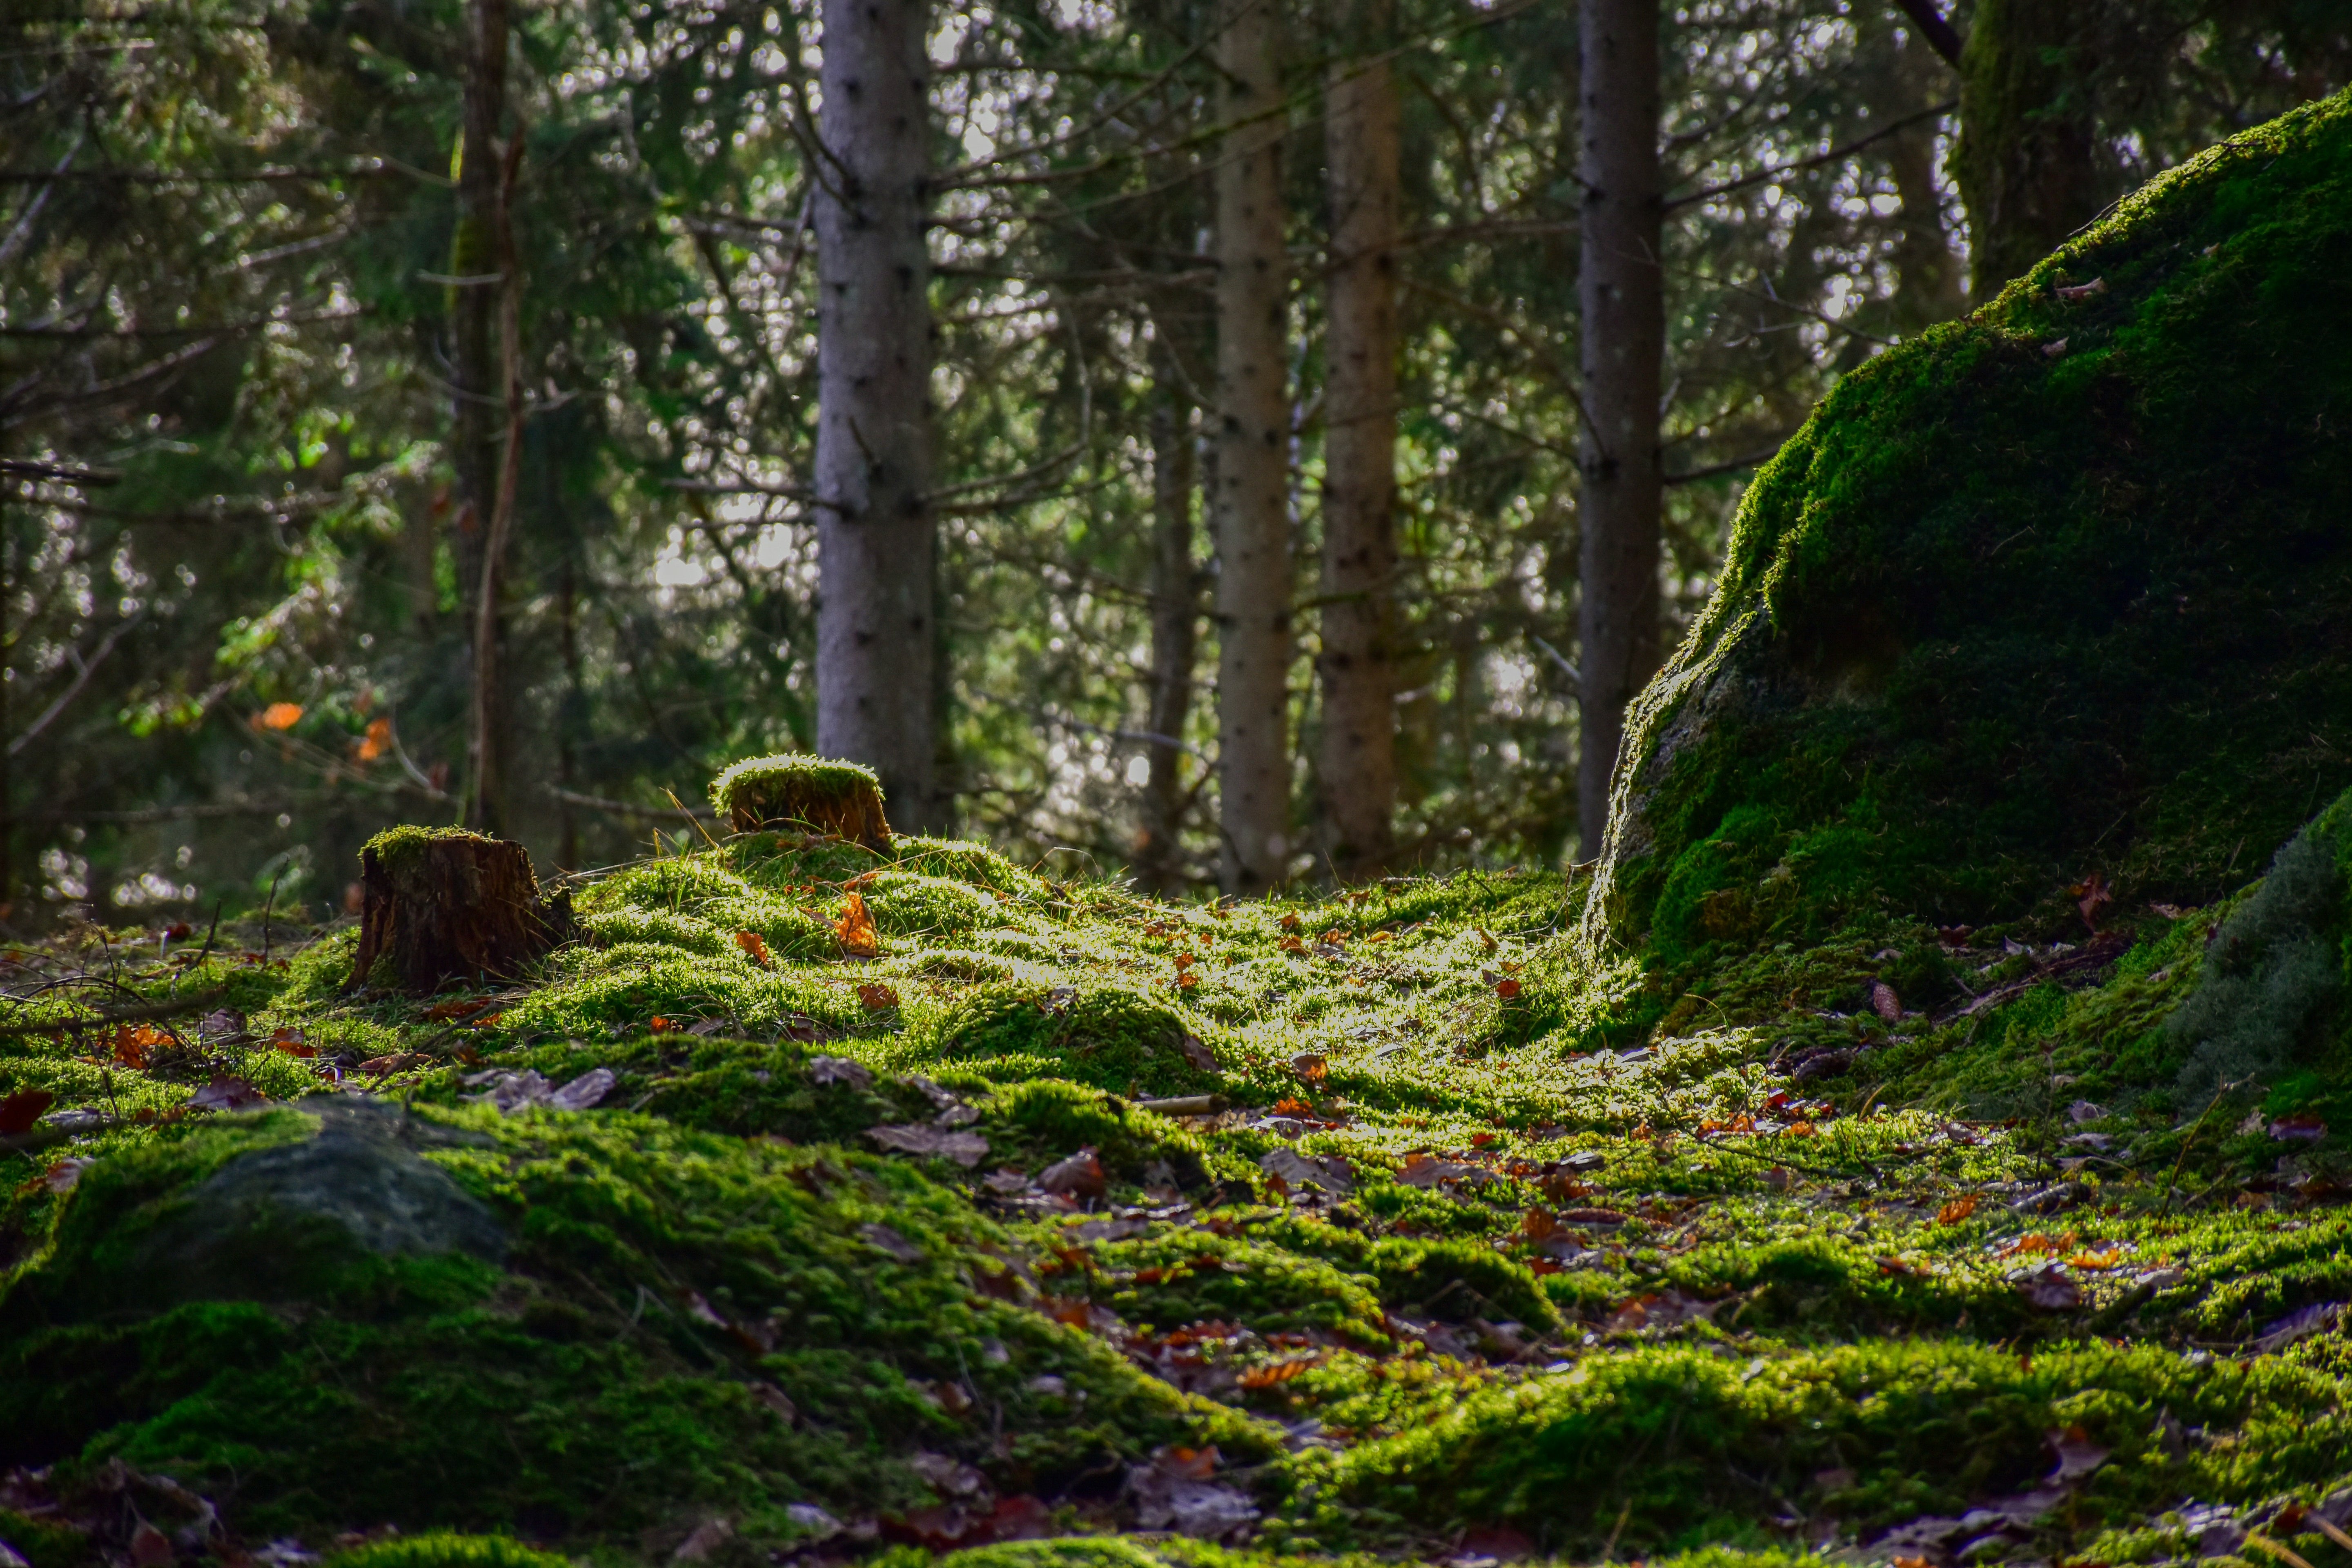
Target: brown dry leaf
(966,1149)
(754,946)
(19,1110)
(1080,1176)
(856,929)
(1289,922)
(1279,1371)
(2092,897)
(1186,980)
(1197,1053)
(226,1093)
(1311,1067)
(877,997)
(1957,1210)
(1507,989)
(132,1043)
(2052,1289)
(293,1042)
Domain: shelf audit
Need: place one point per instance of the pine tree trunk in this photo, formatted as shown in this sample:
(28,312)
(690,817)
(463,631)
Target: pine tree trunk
(1620,297)
(479,381)
(877,536)
(1175,618)
(1252,534)
(1357,761)
(2028,162)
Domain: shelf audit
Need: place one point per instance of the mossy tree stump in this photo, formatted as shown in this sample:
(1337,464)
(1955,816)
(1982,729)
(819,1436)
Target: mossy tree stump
(443,905)
(842,799)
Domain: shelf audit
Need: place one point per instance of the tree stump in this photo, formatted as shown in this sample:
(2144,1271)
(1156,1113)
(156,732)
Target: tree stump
(443,905)
(842,799)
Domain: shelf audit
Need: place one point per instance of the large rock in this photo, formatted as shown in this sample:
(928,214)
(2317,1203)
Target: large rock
(2059,591)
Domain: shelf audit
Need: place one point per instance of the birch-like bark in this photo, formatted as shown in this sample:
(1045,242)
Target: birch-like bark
(876,634)
(1252,533)
(1621,297)
(1362,128)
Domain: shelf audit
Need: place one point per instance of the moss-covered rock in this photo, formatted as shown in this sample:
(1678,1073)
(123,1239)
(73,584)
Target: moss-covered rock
(2058,596)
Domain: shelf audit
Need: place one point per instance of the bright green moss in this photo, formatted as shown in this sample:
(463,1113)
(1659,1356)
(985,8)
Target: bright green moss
(1109,1035)
(1985,629)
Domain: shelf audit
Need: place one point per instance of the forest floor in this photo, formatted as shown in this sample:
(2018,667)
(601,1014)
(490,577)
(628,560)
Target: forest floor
(821,1203)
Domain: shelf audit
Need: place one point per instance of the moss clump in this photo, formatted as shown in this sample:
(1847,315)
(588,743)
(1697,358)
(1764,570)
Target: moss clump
(444,1549)
(2059,589)
(1111,1036)
(842,799)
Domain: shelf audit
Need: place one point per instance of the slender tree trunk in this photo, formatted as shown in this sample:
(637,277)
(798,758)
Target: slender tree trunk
(1621,297)
(491,806)
(1363,135)
(478,378)
(1254,568)
(2028,162)
(1175,618)
(877,536)
(1931,286)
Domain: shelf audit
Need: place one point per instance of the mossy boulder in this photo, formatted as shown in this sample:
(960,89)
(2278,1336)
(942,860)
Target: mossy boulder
(2056,593)
(841,799)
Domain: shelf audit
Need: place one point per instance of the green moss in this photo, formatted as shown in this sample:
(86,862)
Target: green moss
(844,799)
(1985,630)
(443,1549)
(1109,1035)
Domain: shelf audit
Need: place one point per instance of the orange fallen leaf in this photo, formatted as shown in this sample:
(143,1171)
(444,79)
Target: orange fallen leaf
(1291,944)
(1290,1105)
(1186,980)
(2107,1259)
(1311,1067)
(1507,989)
(856,929)
(1279,1371)
(1289,922)
(754,946)
(1185,961)
(660,1025)
(132,1042)
(877,997)
(279,716)
(1957,1210)
(1801,1130)
(293,1042)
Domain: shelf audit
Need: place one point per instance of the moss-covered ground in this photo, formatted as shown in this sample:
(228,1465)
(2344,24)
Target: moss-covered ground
(855,1255)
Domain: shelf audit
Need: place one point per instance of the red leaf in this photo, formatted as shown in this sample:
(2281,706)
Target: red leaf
(22,1108)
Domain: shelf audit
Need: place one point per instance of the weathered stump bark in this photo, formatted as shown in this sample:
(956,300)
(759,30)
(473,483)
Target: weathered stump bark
(443,906)
(842,799)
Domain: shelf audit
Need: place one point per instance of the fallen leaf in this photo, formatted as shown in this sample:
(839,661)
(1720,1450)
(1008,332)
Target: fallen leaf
(966,1149)
(1311,1067)
(877,997)
(754,946)
(2051,1289)
(2302,1127)
(1507,989)
(2297,1325)
(1279,1371)
(1957,1210)
(63,1176)
(1197,1053)
(22,1108)
(513,1092)
(1080,1176)
(2094,894)
(2073,293)
(2083,1111)
(279,716)
(1186,980)
(2077,1456)
(856,929)
(132,1043)
(840,1070)
(1329,1172)
(1288,923)
(226,1093)
(293,1042)
(708,1537)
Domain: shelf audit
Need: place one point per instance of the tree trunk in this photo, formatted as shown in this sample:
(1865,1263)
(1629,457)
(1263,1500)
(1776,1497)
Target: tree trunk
(1253,530)
(1621,299)
(478,376)
(1175,617)
(490,746)
(2028,162)
(438,907)
(876,532)
(1930,283)
(1363,136)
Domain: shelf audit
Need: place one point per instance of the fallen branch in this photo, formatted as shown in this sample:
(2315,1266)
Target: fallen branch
(144,1014)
